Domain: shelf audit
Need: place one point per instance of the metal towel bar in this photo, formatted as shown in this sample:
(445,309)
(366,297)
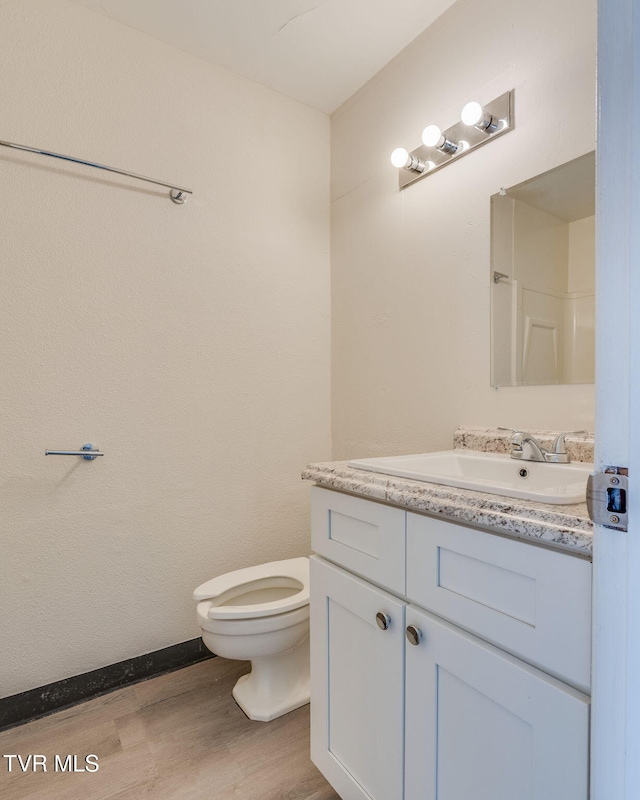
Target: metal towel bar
(86,451)
(177,194)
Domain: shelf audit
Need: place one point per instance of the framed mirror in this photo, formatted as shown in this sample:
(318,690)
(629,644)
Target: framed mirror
(543,278)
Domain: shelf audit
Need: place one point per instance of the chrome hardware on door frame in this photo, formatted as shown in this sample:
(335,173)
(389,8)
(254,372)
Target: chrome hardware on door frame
(87,451)
(607,498)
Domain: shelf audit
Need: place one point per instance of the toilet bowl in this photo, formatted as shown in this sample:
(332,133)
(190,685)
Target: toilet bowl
(261,614)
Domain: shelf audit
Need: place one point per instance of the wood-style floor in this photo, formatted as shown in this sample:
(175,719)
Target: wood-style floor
(179,736)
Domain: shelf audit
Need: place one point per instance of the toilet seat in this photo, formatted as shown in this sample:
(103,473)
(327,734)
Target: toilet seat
(290,574)
(251,626)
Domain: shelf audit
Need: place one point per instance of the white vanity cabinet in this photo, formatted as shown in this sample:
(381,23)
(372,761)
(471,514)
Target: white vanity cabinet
(446,685)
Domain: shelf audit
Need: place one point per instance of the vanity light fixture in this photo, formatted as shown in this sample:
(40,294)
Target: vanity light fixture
(479,125)
(402,159)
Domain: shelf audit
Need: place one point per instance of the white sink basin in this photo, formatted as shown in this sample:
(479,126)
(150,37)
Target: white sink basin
(489,472)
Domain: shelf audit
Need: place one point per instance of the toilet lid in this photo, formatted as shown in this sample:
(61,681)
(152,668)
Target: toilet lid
(290,574)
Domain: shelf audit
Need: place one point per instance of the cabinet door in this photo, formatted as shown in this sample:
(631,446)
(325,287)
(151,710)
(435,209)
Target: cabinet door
(482,725)
(357,685)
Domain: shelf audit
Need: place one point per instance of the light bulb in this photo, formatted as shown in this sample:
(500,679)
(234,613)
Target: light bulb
(472,113)
(432,136)
(400,157)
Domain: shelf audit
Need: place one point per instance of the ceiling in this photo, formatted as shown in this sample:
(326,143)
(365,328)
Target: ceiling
(568,191)
(316,51)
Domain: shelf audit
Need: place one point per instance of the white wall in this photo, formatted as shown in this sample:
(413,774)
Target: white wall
(410,270)
(191,343)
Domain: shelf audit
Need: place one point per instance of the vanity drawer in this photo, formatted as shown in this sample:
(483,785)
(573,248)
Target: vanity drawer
(366,537)
(533,602)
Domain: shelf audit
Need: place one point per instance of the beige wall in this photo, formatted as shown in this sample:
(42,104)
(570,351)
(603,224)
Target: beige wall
(582,257)
(540,249)
(190,343)
(582,311)
(410,270)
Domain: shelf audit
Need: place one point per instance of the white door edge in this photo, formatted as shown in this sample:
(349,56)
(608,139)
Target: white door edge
(615,740)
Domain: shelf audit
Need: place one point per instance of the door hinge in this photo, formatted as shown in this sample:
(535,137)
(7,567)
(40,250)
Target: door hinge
(607,499)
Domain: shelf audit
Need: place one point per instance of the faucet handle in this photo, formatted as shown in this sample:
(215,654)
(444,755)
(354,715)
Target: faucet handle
(516,436)
(559,444)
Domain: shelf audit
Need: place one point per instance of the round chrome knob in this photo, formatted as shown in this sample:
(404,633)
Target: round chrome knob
(413,634)
(383,620)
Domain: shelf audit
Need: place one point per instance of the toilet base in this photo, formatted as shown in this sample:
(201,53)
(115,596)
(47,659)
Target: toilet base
(276,684)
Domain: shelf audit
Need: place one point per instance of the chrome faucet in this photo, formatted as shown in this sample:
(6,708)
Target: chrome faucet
(526,447)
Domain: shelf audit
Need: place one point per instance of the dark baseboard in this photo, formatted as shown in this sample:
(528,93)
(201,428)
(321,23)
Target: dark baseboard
(27,706)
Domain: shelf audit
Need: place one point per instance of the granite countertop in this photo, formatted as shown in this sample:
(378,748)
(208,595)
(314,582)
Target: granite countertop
(562,526)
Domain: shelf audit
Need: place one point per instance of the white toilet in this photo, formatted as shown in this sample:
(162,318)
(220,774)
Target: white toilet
(261,614)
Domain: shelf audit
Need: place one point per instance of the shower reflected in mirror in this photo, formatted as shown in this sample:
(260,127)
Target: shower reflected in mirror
(543,278)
